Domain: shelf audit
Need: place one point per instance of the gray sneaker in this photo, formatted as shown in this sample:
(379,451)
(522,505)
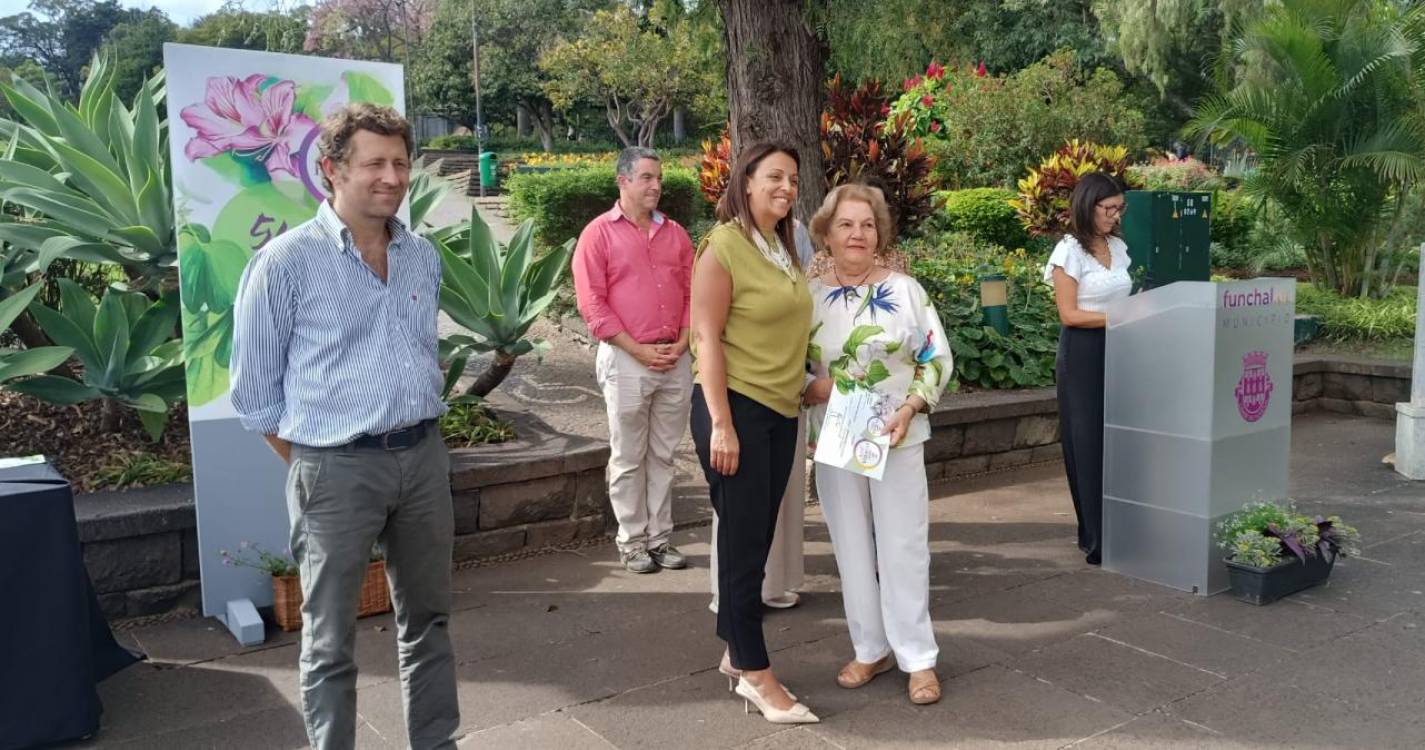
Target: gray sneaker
(668,556)
(638,561)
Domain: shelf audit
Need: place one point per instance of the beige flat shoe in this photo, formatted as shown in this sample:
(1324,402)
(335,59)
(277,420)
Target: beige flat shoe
(857,673)
(924,687)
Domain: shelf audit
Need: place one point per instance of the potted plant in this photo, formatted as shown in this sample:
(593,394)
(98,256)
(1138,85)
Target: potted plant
(287,584)
(1273,551)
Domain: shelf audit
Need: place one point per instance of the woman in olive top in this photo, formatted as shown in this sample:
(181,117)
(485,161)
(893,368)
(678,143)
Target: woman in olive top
(751,318)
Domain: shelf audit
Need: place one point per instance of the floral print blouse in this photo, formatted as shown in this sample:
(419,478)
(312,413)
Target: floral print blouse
(885,337)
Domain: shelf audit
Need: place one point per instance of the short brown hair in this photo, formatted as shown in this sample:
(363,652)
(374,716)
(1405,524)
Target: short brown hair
(339,126)
(734,206)
(854,191)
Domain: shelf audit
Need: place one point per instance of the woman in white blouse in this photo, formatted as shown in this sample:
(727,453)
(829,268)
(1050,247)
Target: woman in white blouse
(874,329)
(1089,269)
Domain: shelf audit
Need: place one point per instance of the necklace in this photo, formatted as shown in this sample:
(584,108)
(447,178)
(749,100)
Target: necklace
(848,293)
(837,275)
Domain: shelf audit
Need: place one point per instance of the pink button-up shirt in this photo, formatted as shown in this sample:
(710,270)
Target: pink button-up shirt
(629,281)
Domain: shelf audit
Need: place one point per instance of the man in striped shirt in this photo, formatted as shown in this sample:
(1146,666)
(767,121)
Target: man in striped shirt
(334,364)
(633,275)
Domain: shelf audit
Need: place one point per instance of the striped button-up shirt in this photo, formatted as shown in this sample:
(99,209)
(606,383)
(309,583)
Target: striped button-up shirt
(324,351)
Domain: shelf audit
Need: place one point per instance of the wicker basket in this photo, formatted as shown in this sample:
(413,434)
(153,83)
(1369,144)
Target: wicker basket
(287,597)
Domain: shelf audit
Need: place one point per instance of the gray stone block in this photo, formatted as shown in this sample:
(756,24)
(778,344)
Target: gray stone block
(505,505)
(159,599)
(1373,409)
(551,533)
(1307,386)
(993,436)
(589,527)
(1036,429)
(1302,407)
(467,511)
(945,442)
(488,543)
(1387,390)
(1336,405)
(1347,386)
(130,513)
(966,408)
(1052,452)
(960,467)
(191,568)
(1010,459)
(591,494)
(139,562)
(115,606)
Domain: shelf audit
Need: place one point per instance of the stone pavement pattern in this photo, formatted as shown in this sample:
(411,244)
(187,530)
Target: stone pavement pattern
(1038,650)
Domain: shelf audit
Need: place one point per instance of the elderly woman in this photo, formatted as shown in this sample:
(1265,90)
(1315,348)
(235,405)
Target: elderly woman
(751,315)
(875,329)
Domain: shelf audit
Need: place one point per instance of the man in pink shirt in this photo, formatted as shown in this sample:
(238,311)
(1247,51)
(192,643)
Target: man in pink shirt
(633,276)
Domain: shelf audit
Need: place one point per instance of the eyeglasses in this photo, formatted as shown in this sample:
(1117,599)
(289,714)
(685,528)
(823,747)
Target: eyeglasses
(1114,210)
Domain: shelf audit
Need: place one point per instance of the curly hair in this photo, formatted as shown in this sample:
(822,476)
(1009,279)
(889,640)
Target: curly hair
(854,191)
(339,127)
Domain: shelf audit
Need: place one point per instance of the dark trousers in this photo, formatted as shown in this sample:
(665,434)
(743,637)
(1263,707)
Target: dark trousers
(746,504)
(1079,373)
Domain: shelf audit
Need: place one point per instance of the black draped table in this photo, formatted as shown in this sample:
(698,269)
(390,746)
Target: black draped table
(55,645)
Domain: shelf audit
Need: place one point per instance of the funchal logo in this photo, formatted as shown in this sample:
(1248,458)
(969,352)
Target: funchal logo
(1254,389)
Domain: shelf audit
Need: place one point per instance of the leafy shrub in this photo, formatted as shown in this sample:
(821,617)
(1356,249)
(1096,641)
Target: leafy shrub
(1287,532)
(1359,319)
(452,143)
(561,202)
(985,213)
(1233,216)
(1043,202)
(469,423)
(858,145)
(948,266)
(986,130)
(1172,173)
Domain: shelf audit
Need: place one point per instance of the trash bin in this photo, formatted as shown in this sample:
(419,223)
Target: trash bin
(487,169)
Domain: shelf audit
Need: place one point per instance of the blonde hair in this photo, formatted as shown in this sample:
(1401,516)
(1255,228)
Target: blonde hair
(820,225)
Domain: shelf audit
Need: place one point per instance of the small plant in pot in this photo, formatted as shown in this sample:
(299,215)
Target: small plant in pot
(1273,551)
(287,584)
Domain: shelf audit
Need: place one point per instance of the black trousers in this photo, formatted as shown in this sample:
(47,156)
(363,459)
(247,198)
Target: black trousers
(746,504)
(1079,373)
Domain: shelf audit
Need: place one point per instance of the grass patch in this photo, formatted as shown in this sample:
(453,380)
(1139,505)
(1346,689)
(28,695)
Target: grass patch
(127,470)
(467,425)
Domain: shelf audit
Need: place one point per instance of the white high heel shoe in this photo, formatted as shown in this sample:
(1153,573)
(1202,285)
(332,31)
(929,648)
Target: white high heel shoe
(797,714)
(733,675)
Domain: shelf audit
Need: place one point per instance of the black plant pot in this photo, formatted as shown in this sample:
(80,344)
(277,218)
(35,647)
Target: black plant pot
(1266,585)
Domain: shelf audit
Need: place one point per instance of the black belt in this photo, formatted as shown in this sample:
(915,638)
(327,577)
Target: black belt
(395,440)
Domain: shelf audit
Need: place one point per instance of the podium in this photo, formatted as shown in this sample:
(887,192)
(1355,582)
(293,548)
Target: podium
(1197,422)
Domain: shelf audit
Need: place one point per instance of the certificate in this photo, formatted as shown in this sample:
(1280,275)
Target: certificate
(850,436)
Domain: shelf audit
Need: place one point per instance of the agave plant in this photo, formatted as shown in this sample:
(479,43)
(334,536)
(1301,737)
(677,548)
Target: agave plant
(127,350)
(94,175)
(19,363)
(496,292)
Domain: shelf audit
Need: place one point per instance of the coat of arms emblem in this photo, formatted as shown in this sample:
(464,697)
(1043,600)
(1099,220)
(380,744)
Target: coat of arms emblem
(1254,389)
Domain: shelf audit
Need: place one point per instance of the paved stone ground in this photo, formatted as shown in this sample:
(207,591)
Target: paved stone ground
(568,651)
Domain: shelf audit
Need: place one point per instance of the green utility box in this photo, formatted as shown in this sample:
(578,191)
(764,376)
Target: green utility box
(487,169)
(1169,236)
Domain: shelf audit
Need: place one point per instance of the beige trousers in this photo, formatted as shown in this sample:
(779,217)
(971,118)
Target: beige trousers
(648,412)
(784,571)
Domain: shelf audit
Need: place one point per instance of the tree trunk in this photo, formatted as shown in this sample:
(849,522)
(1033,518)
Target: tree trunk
(775,69)
(614,114)
(680,125)
(112,413)
(521,121)
(544,120)
(492,377)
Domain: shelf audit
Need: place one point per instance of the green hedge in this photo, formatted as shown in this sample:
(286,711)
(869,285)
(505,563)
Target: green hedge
(949,265)
(1356,319)
(984,213)
(561,202)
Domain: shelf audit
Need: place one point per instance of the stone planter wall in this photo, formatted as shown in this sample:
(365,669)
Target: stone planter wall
(541,490)
(547,489)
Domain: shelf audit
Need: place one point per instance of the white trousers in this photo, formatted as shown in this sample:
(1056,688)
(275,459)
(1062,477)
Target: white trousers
(784,570)
(648,413)
(883,526)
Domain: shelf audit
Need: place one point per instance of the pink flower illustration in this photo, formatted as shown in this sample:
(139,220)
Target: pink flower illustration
(238,115)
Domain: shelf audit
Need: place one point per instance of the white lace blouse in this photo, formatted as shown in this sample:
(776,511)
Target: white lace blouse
(1098,286)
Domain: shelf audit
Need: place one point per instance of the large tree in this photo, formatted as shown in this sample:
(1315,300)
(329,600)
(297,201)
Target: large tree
(63,35)
(235,28)
(387,30)
(775,71)
(637,69)
(137,50)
